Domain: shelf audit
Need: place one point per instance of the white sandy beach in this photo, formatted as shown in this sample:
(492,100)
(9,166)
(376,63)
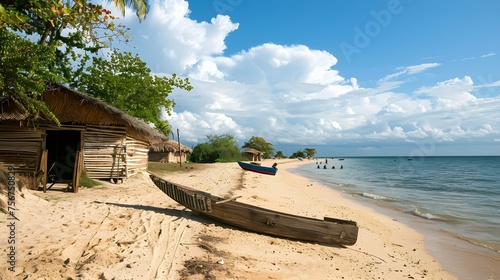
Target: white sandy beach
(135,231)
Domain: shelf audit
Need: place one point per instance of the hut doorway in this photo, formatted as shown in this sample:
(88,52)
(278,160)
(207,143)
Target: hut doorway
(63,147)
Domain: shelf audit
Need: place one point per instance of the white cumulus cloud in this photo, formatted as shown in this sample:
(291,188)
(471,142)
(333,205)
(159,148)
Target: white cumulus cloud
(296,94)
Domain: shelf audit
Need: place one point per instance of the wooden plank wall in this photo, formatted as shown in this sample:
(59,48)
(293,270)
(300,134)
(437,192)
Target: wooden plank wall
(137,156)
(107,151)
(104,154)
(162,157)
(78,171)
(20,147)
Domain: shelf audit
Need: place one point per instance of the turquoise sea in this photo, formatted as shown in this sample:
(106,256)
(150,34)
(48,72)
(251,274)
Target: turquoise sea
(454,201)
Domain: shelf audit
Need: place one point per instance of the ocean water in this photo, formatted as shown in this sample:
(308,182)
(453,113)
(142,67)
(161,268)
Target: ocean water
(455,197)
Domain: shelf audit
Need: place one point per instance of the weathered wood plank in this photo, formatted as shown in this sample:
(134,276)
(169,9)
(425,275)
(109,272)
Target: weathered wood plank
(261,220)
(20,147)
(227,200)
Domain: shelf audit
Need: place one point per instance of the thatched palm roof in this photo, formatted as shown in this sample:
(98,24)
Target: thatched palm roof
(171,146)
(73,107)
(175,144)
(253,151)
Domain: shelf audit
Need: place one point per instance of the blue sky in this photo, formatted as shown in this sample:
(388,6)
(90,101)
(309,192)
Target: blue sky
(348,78)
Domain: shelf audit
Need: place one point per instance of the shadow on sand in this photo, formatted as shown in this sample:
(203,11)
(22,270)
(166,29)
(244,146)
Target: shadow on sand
(188,214)
(183,213)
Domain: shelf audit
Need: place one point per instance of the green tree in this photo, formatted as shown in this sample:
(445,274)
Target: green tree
(219,148)
(225,147)
(279,154)
(260,144)
(69,33)
(23,72)
(310,152)
(203,153)
(74,27)
(141,7)
(126,82)
(66,32)
(298,153)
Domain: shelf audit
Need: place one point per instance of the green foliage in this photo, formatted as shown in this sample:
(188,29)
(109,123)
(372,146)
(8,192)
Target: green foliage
(164,127)
(225,147)
(279,154)
(11,18)
(219,148)
(298,153)
(141,7)
(260,144)
(76,23)
(126,82)
(24,72)
(310,152)
(65,33)
(203,153)
(76,28)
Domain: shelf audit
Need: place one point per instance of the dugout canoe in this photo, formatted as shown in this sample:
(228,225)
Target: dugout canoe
(261,220)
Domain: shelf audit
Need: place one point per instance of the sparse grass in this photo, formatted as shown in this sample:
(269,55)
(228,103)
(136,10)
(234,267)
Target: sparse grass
(159,167)
(86,181)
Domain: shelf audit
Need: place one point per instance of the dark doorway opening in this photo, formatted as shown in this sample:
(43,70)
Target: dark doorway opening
(62,146)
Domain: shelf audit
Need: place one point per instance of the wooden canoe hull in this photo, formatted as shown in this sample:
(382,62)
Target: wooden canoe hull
(261,220)
(258,168)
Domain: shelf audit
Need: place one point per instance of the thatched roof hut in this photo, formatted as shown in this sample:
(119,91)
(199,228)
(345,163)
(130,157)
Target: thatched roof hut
(169,152)
(105,140)
(73,107)
(253,154)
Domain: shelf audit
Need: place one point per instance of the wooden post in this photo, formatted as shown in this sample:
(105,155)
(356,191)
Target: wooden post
(77,171)
(44,168)
(180,151)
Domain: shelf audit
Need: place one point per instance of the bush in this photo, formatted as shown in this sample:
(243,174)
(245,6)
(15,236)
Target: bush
(220,148)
